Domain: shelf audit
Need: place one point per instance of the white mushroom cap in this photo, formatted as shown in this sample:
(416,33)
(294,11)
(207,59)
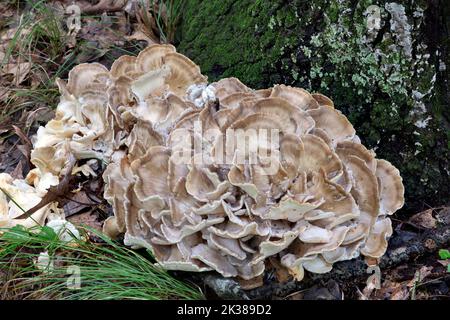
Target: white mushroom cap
(16,197)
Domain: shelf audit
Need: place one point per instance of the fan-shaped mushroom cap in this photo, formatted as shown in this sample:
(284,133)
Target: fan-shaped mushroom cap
(316,155)
(349,148)
(118,178)
(151,173)
(213,259)
(344,252)
(333,199)
(390,187)
(228,86)
(141,138)
(84,76)
(183,73)
(377,242)
(289,209)
(293,118)
(49,159)
(161,113)
(232,101)
(269,248)
(296,96)
(365,186)
(151,84)
(205,185)
(323,100)
(54,132)
(318,265)
(124,66)
(152,57)
(333,122)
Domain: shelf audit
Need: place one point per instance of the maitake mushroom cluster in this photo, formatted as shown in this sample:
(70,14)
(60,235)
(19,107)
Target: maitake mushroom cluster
(221,177)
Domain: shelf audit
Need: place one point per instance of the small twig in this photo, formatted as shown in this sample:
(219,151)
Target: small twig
(408,223)
(79,202)
(56,192)
(26,142)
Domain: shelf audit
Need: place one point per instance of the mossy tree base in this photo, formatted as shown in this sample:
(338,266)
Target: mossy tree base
(386,75)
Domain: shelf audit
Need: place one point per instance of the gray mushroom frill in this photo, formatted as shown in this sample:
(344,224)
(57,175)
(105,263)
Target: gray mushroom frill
(198,197)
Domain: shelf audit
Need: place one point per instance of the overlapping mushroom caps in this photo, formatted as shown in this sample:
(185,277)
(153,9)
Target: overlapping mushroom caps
(201,199)
(80,130)
(219,176)
(89,120)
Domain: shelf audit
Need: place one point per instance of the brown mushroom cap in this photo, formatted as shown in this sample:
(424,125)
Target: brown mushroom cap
(83,76)
(333,122)
(296,96)
(390,187)
(152,57)
(124,66)
(228,86)
(377,242)
(323,100)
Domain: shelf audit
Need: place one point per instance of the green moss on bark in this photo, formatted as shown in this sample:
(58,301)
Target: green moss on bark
(383,79)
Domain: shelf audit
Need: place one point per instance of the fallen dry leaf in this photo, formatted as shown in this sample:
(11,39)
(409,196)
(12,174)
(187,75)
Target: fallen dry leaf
(281,272)
(43,114)
(424,219)
(295,296)
(430,244)
(73,23)
(17,172)
(4,93)
(393,291)
(105,6)
(445,263)
(27,145)
(443,215)
(139,35)
(78,202)
(368,289)
(331,291)
(420,275)
(18,70)
(89,219)
(252,283)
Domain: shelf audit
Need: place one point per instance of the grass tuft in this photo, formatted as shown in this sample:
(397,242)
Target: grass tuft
(81,270)
(41,41)
(165,14)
